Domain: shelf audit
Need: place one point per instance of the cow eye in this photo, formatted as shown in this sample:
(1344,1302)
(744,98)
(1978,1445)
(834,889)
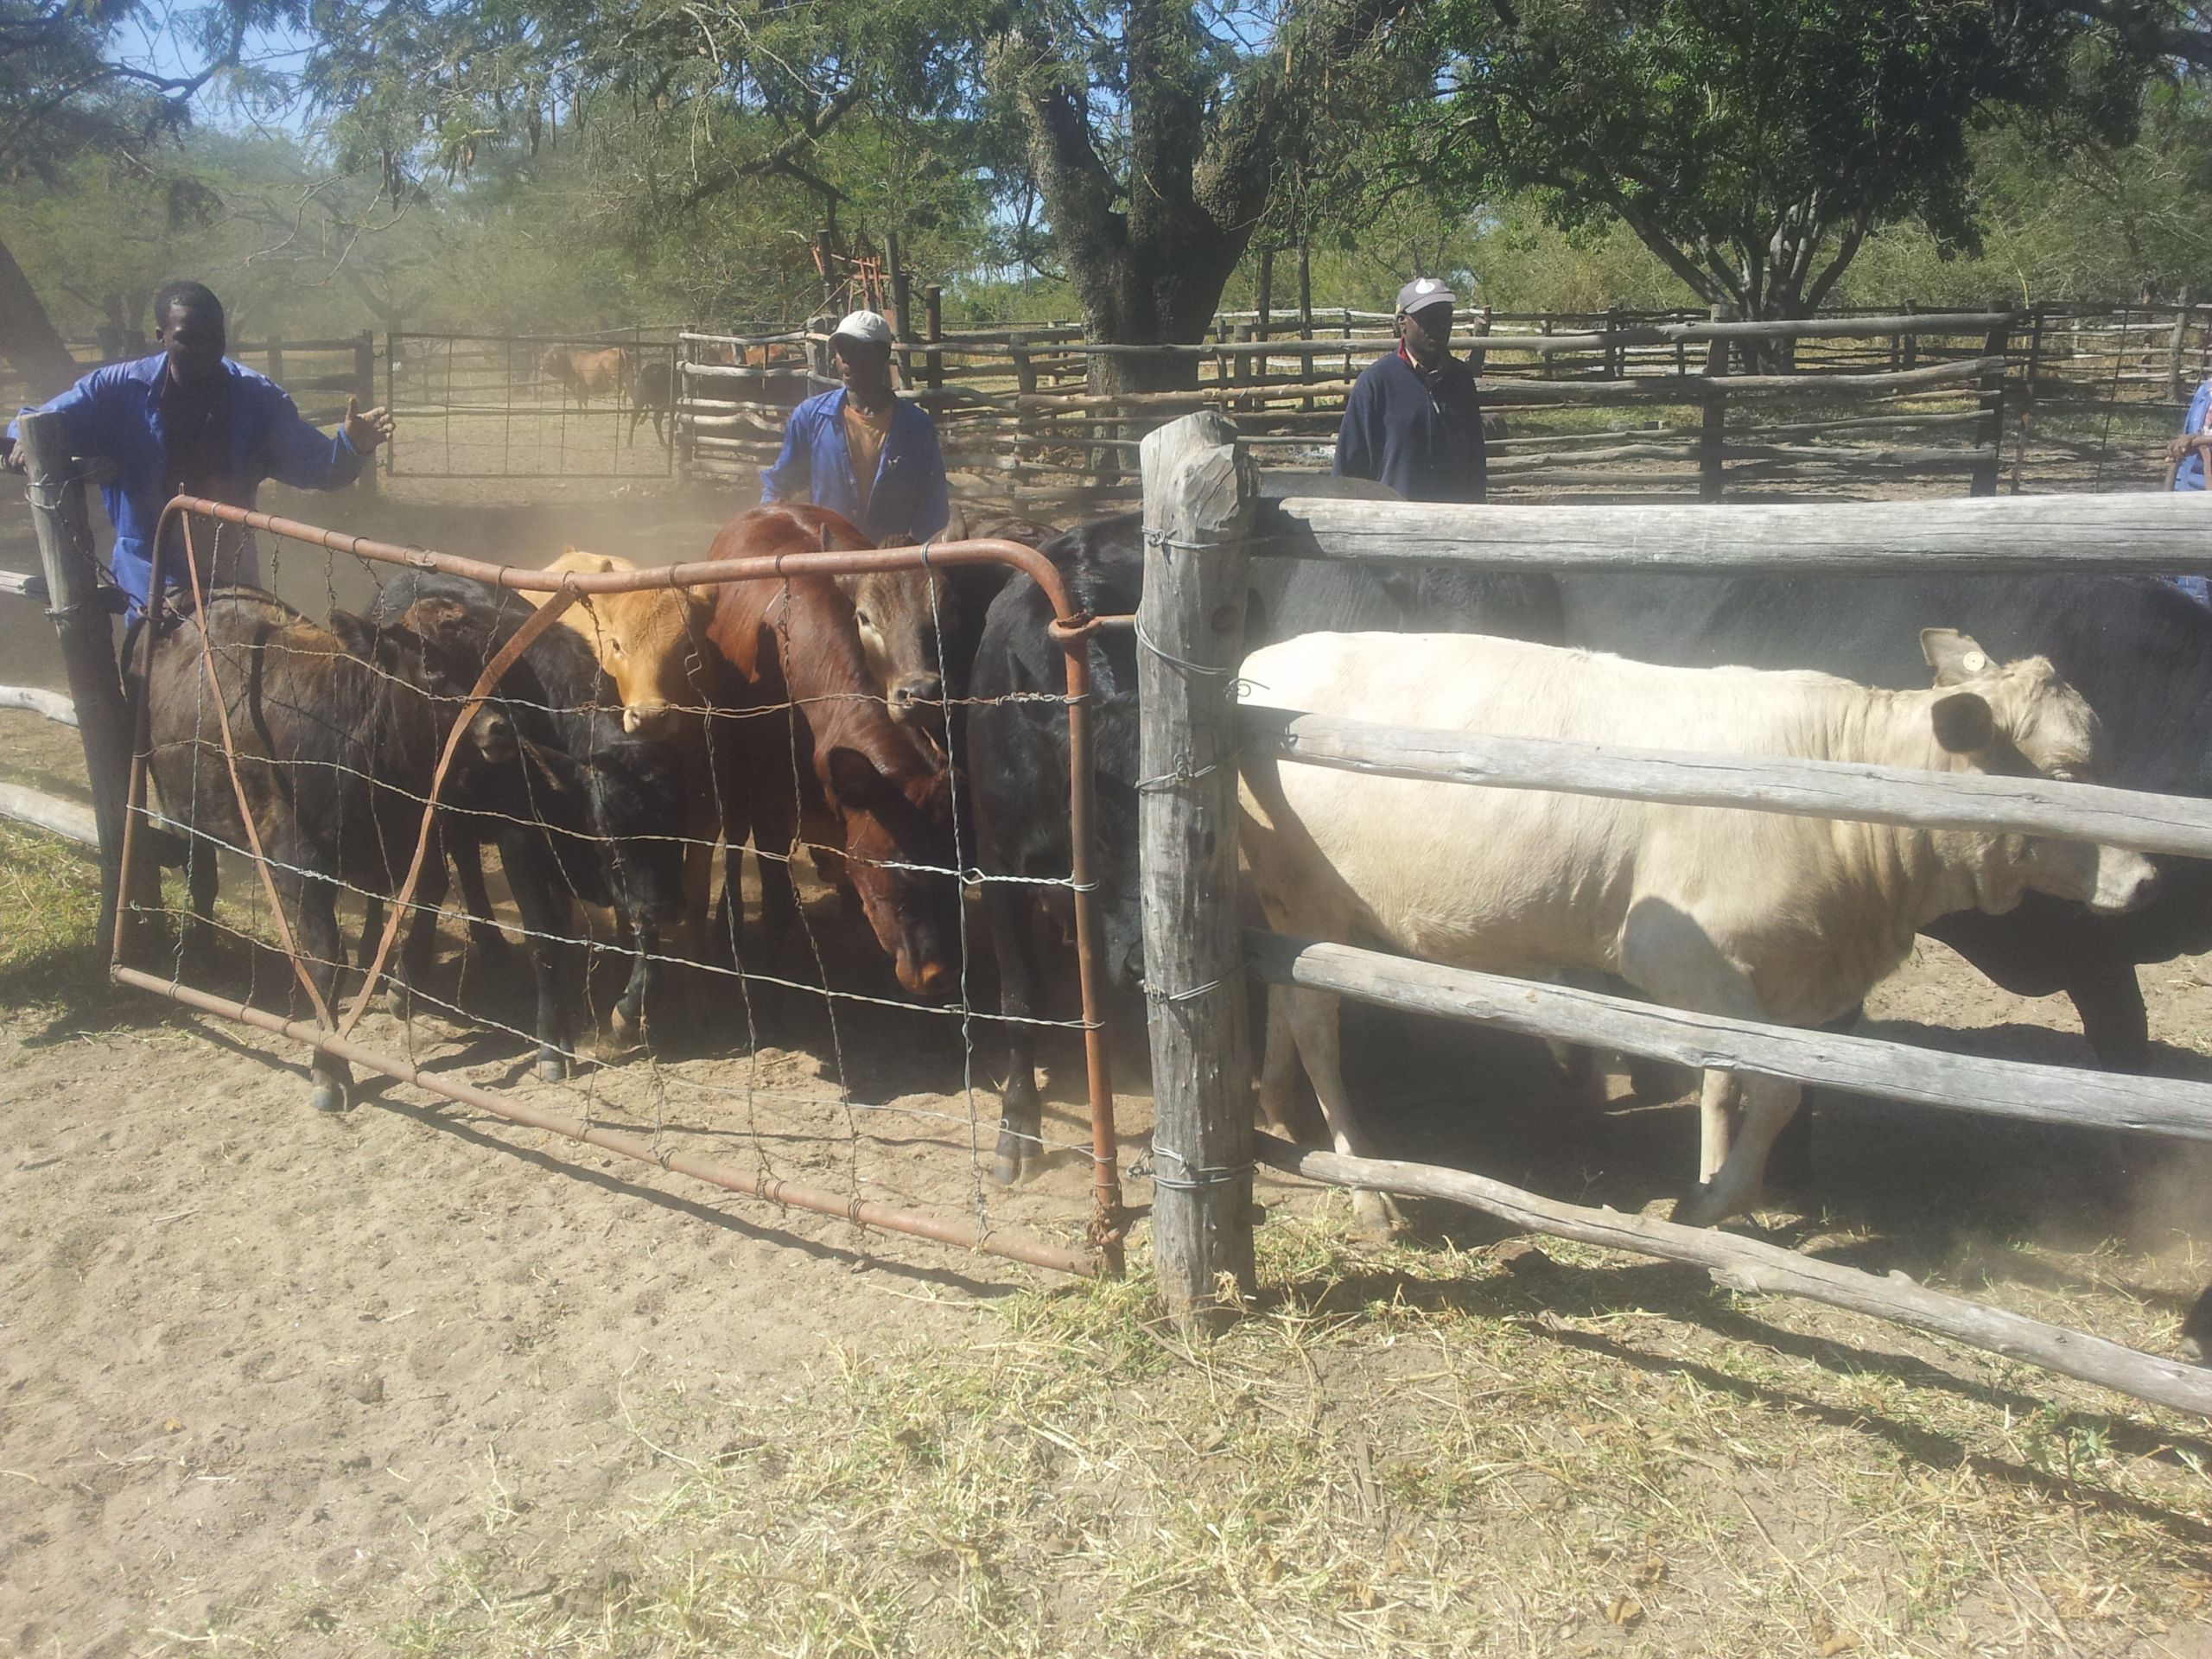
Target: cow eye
(861,618)
(614,647)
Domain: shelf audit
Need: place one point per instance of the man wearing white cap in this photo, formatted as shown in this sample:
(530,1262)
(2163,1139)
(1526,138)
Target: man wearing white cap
(862,450)
(1413,421)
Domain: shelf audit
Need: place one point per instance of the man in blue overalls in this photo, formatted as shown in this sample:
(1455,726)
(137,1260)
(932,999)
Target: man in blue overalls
(862,450)
(2185,458)
(189,421)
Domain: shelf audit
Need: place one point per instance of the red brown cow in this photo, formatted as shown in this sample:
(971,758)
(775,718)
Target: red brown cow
(611,373)
(834,767)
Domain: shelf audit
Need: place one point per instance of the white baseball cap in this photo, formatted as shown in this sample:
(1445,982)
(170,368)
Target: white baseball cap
(870,325)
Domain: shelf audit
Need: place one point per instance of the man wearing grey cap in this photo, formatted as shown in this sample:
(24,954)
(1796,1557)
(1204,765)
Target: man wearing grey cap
(862,450)
(1413,421)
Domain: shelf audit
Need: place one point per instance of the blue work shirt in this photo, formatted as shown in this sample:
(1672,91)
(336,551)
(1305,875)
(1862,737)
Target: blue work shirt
(2189,475)
(1420,434)
(908,502)
(116,411)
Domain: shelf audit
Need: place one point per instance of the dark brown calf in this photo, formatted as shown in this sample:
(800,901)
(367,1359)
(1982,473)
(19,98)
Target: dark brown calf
(834,765)
(336,734)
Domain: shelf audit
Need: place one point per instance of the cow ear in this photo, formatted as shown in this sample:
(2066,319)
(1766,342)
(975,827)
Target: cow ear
(853,777)
(357,634)
(1964,724)
(1955,657)
(444,622)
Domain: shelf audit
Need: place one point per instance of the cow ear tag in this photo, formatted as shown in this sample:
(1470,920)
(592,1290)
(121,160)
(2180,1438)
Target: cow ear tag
(1954,655)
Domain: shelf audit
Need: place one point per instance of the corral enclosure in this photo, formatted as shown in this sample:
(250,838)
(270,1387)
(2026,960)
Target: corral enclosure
(794,1110)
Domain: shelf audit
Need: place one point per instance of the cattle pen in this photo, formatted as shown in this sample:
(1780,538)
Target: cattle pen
(1203,522)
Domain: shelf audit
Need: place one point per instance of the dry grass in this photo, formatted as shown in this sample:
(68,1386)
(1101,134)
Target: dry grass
(1406,1450)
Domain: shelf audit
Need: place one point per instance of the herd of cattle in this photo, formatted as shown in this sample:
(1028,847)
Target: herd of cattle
(833,714)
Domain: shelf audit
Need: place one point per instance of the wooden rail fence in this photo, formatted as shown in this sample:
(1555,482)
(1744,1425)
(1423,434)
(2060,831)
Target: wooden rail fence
(1203,523)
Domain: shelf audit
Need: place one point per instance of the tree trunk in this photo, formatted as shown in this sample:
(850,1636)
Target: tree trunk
(28,339)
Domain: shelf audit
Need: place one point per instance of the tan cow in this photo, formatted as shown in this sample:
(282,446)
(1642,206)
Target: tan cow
(612,372)
(1754,915)
(652,645)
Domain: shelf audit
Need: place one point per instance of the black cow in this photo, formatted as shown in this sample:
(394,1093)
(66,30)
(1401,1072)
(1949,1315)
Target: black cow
(582,810)
(337,732)
(653,394)
(1288,597)
(2137,648)
(1017,755)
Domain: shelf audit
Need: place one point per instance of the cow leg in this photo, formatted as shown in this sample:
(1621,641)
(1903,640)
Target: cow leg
(1312,1018)
(484,935)
(2109,999)
(546,915)
(1666,953)
(2196,1331)
(418,951)
(1719,1099)
(315,903)
(628,1014)
(202,876)
(1010,911)
(1278,1071)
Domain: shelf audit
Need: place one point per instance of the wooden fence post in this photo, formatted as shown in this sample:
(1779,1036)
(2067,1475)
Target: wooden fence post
(1711,465)
(933,329)
(1997,343)
(1305,368)
(274,352)
(902,311)
(2024,428)
(2175,352)
(83,620)
(365,392)
(1200,486)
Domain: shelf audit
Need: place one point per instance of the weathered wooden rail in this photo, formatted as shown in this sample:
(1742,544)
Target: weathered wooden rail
(1203,523)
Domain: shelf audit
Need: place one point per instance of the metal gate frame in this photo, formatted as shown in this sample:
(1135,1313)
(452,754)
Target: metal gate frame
(1070,629)
(643,351)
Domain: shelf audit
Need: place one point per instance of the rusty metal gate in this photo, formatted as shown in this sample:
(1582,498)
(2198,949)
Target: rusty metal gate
(602,1094)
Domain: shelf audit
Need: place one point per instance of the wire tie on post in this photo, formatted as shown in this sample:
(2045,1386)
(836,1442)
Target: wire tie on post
(1195,1177)
(1193,992)
(1227,671)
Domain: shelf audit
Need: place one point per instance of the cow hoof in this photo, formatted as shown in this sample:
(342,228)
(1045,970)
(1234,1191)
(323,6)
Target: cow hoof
(1377,1216)
(1700,1207)
(398,1002)
(552,1068)
(328,1096)
(628,1026)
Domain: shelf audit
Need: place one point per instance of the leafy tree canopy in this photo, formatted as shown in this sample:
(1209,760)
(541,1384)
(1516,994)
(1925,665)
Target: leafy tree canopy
(1753,145)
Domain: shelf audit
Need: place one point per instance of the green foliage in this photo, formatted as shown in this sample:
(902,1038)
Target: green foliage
(1753,145)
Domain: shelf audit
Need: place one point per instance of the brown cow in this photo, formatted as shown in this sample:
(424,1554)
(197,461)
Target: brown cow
(337,732)
(836,768)
(611,373)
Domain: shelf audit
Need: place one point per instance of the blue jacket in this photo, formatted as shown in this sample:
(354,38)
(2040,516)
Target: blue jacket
(1422,438)
(908,503)
(2191,476)
(116,411)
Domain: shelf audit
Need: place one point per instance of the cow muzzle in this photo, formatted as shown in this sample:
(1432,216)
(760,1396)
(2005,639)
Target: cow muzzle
(2125,879)
(647,719)
(912,697)
(492,735)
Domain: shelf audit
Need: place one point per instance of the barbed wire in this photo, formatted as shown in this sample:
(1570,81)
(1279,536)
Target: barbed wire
(639,1084)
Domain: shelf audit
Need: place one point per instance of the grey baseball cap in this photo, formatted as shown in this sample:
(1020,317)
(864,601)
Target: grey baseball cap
(870,325)
(1423,292)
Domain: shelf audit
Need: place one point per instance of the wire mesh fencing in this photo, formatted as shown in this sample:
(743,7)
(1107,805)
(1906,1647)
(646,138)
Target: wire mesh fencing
(326,761)
(480,406)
